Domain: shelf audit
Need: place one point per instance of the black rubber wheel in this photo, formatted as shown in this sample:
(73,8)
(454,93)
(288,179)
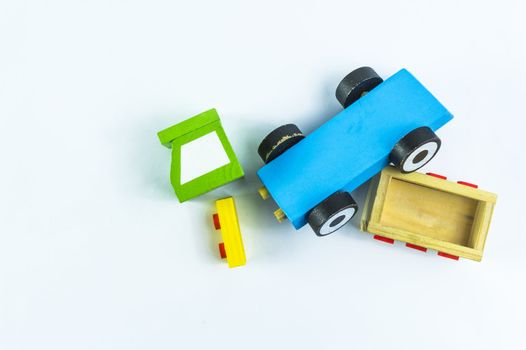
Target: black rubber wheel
(415,149)
(355,84)
(333,213)
(278,141)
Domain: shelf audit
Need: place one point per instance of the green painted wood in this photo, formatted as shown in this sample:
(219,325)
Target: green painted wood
(189,130)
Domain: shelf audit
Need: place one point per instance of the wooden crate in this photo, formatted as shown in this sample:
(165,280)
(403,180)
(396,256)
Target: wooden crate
(429,212)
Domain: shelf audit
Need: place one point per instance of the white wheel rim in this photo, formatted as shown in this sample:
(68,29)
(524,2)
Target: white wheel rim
(430,147)
(327,228)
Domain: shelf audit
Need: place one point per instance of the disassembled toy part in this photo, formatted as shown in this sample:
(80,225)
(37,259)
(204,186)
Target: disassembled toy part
(225,220)
(427,211)
(311,178)
(202,157)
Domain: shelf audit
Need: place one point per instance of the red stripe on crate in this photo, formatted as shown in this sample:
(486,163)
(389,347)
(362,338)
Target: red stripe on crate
(384,239)
(449,256)
(417,247)
(437,175)
(467,184)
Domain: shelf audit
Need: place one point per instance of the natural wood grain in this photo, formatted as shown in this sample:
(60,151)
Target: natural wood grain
(429,212)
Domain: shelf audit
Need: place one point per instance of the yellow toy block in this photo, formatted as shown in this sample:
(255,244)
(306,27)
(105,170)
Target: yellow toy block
(226,220)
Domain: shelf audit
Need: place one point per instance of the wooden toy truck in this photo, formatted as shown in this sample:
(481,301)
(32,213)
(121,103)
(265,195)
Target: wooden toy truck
(427,211)
(383,122)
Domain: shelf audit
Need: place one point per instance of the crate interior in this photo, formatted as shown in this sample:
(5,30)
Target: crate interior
(430,212)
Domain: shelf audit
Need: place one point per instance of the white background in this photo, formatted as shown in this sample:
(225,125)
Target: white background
(95,250)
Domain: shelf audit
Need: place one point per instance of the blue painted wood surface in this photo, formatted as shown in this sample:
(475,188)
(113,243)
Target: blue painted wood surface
(351,147)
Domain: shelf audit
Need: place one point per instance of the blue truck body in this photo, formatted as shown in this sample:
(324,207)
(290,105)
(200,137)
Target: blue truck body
(351,147)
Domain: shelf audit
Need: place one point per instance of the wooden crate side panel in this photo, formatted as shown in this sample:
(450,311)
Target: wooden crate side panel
(369,202)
